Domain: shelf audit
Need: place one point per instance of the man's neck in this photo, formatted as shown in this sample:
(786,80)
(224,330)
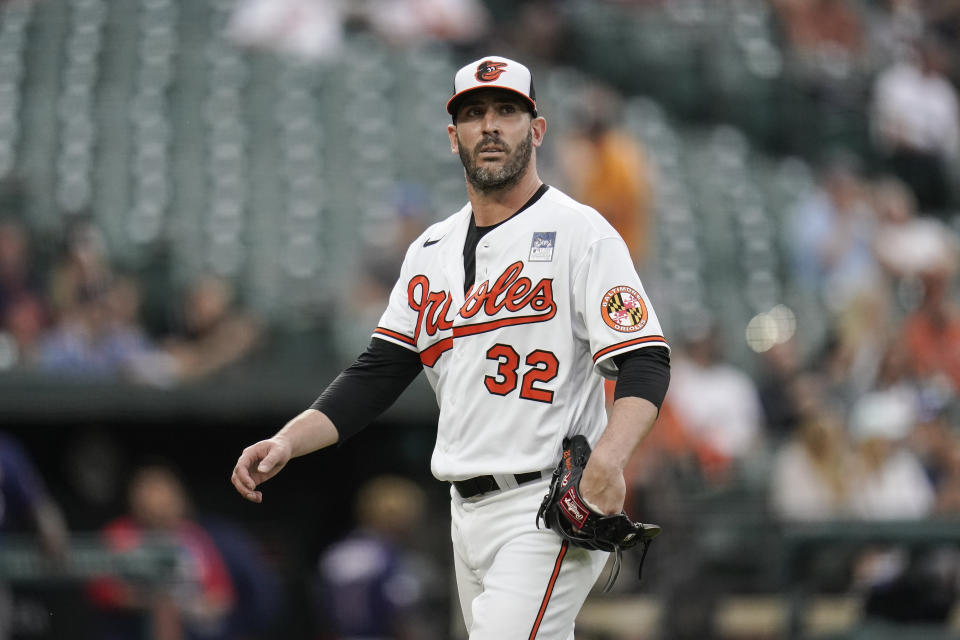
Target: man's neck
(490,208)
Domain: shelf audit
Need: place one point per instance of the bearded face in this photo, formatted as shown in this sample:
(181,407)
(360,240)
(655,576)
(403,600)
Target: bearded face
(488,176)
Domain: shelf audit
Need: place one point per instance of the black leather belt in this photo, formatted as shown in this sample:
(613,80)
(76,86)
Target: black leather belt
(482,484)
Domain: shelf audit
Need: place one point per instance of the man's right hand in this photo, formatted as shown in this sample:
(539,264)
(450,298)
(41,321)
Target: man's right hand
(258,463)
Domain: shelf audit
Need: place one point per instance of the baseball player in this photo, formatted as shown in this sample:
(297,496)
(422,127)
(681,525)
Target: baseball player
(515,307)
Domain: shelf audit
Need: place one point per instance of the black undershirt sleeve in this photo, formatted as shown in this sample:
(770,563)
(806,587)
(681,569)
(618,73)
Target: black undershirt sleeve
(368,387)
(644,373)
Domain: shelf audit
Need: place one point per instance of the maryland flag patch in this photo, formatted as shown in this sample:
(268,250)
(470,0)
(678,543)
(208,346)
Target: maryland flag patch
(623,309)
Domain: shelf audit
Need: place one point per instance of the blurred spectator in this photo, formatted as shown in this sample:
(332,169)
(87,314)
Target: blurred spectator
(717,404)
(306,29)
(141,360)
(605,168)
(830,235)
(95,465)
(255,581)
(97,330)
(938,448)
(916,123)
(414,22)
(23,312)
(866,349)
(25,505)
(79,344)
(372,585)
(535,29)
(99,336)
(931,333)
(314,29)
(907,244)
(82,269)
(809,472)
(780,388)
(887,480)
(825,38)
(212,333)
(815,26)
(195,607)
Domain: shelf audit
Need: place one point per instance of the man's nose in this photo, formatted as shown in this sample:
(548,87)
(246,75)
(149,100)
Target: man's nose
(491,123)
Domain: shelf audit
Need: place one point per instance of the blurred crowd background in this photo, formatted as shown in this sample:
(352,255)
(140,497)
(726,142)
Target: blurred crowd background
(203,207)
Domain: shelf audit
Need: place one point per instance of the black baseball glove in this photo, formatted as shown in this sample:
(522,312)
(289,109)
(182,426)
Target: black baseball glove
(565,511)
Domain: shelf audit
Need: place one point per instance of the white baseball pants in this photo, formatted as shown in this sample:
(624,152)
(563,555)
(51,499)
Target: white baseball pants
(517,582)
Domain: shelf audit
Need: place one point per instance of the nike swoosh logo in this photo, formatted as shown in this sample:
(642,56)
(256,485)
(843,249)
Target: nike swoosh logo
(430,242)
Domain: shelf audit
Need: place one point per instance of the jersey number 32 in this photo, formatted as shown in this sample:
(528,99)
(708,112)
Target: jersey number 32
(542,368)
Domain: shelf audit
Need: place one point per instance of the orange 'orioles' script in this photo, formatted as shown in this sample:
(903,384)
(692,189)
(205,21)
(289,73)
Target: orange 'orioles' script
(510,291)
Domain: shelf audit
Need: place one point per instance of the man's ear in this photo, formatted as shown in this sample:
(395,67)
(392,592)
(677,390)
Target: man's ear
(539,128)
(454,143)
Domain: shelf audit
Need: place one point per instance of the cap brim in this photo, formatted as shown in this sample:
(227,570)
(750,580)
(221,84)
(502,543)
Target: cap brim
(454,101)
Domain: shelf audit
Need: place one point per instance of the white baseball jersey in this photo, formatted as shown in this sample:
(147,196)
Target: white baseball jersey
(516,364)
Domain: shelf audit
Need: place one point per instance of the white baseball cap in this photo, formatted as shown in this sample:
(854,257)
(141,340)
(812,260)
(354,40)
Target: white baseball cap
(885,415)
(493,72)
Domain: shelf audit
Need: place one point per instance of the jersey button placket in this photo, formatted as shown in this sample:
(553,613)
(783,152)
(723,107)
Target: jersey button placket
(484,249)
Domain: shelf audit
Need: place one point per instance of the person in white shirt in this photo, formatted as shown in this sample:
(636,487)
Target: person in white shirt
(887,480)
(916,123)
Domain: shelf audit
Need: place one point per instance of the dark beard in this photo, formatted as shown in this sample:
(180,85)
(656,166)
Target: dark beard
(486,180)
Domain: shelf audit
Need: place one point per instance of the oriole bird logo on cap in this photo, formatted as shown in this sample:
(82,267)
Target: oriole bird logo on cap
(488,70)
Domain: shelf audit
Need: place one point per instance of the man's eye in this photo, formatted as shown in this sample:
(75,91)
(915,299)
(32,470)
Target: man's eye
(508,108)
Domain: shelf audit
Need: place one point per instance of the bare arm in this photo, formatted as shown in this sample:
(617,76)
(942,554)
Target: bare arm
(310,431)
(602,484)
(359,394)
